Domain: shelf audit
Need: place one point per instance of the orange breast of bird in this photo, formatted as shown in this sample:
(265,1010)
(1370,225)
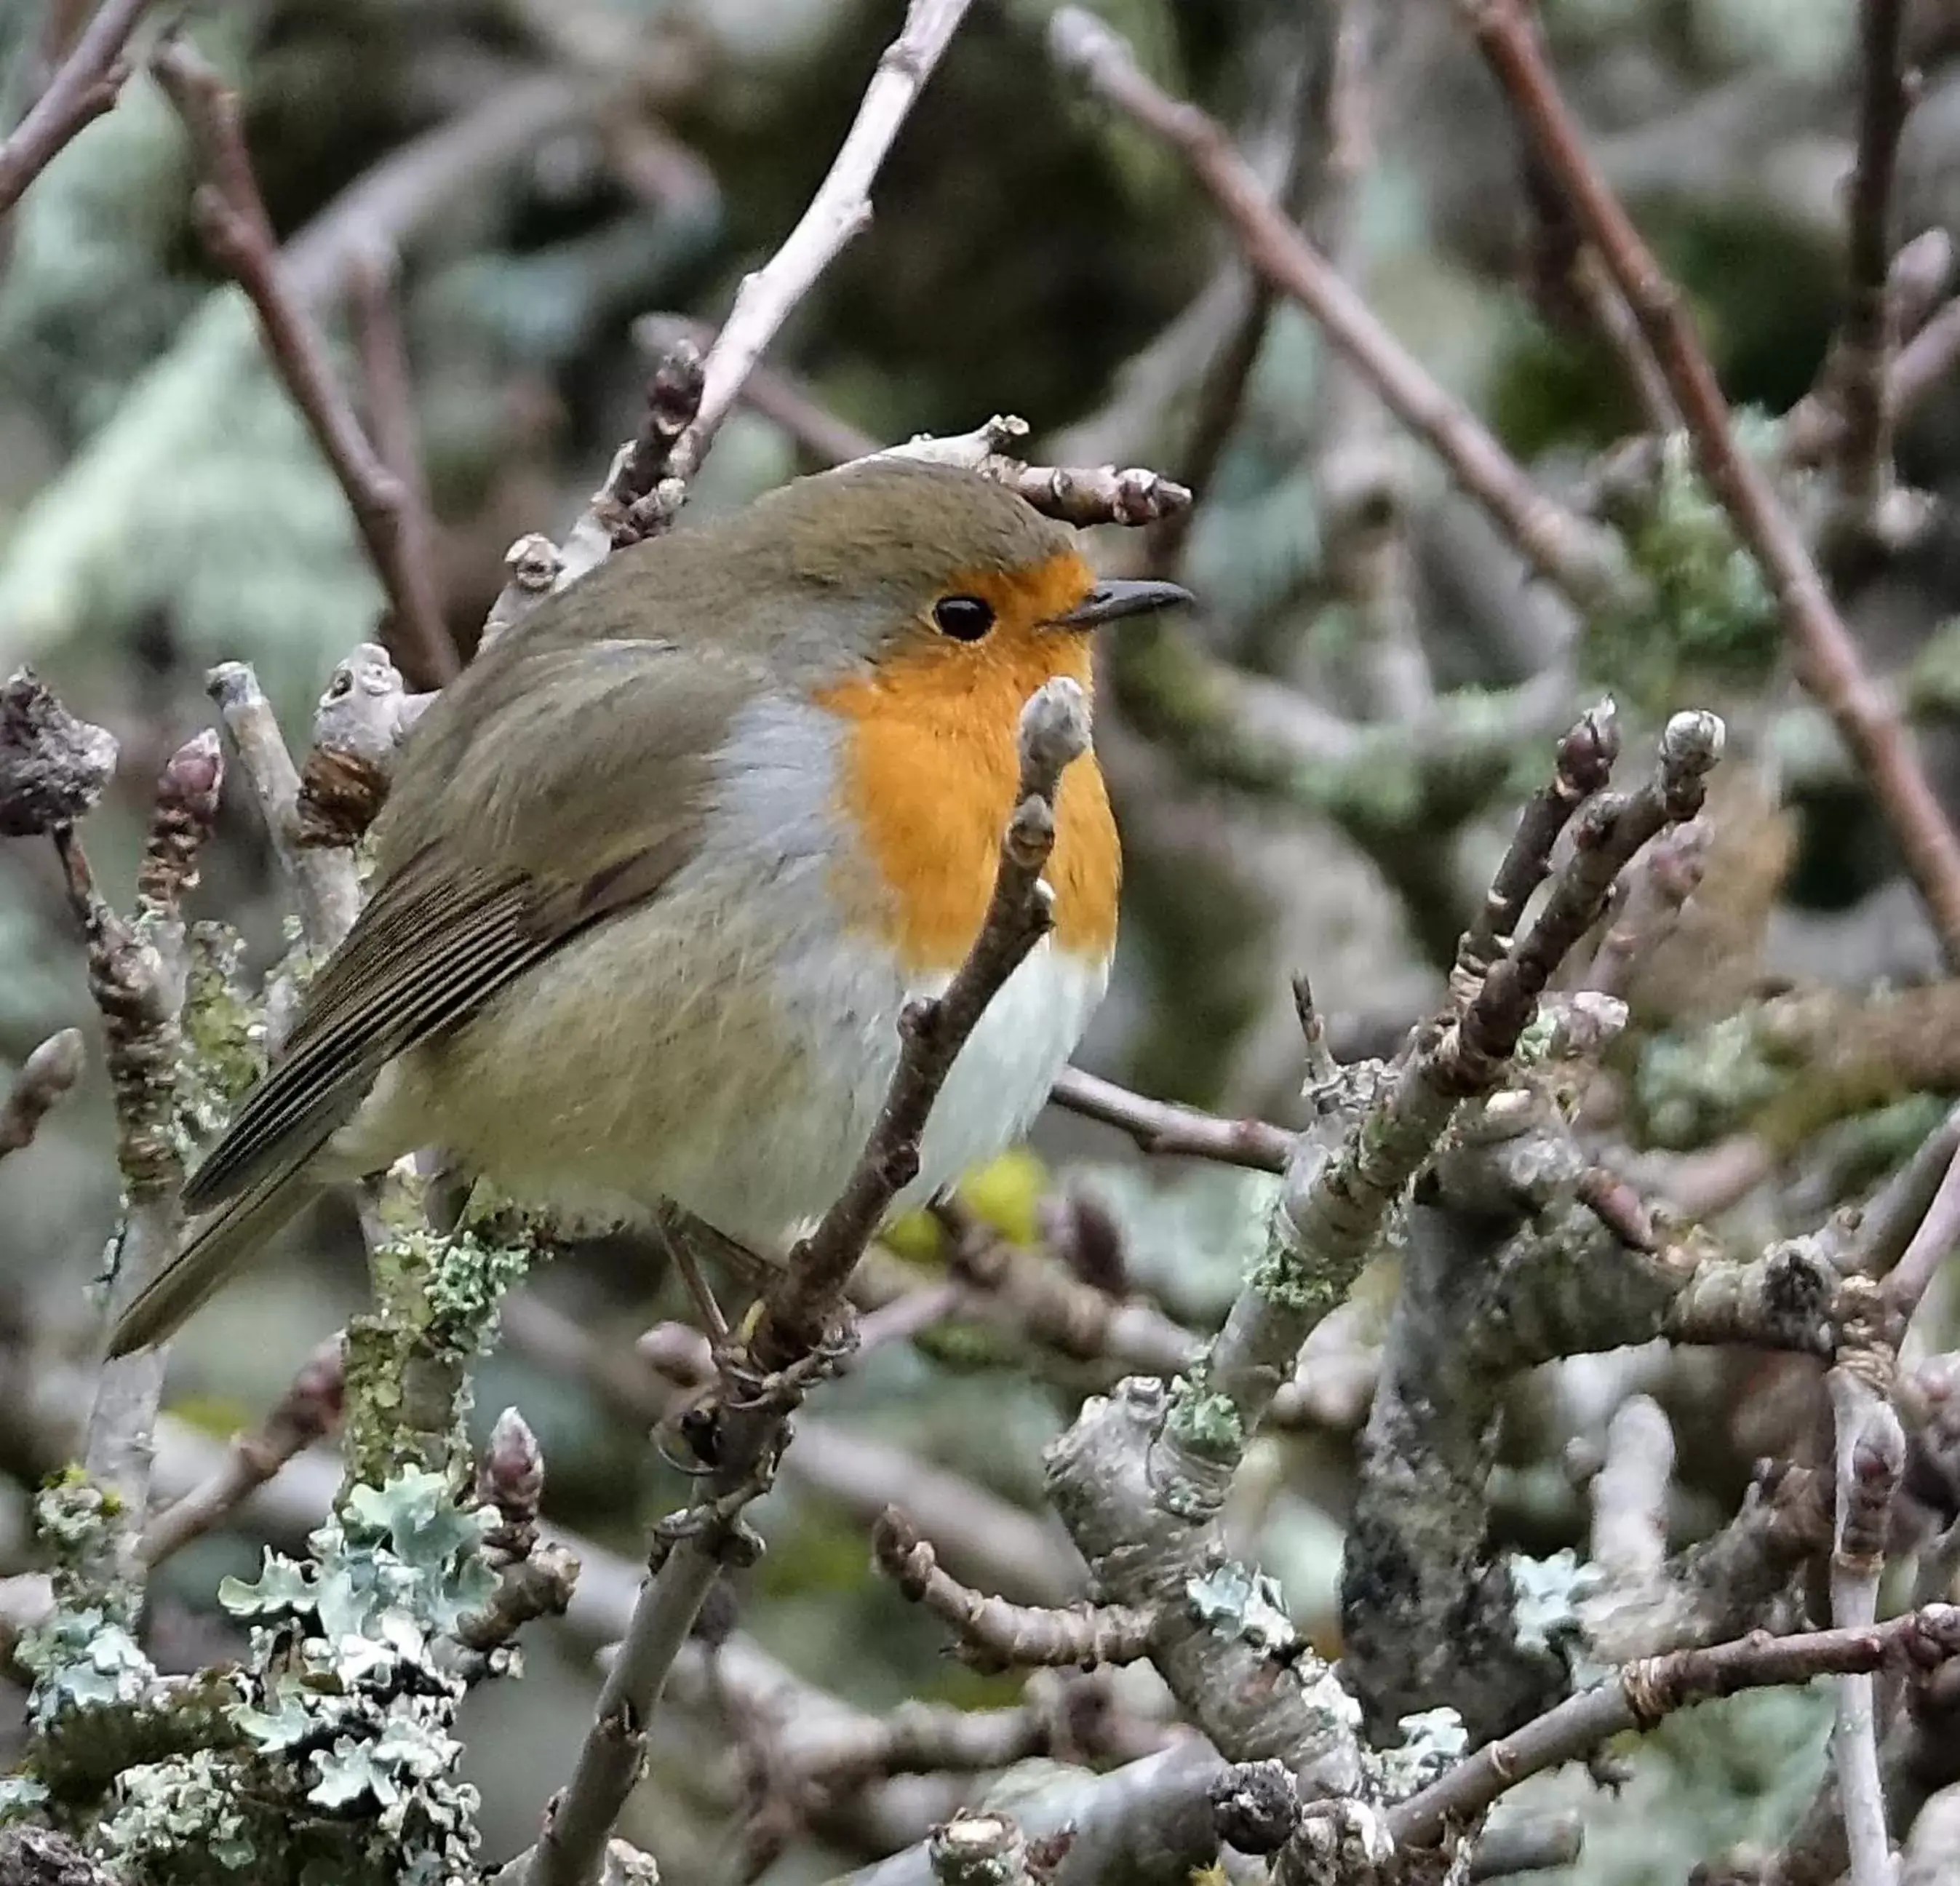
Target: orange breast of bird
(930,765)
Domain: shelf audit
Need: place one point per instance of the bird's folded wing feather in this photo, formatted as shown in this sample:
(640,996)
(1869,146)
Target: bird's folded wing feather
(555,783)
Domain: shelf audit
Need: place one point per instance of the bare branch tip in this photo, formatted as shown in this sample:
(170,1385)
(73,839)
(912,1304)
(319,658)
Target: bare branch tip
(1055,728)
(1078,40)
(1692,742)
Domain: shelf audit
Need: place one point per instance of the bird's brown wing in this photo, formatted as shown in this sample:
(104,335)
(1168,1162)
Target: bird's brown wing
(546,791)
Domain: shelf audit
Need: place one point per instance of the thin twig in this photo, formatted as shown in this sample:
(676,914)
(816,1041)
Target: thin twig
(793,1329)
(136,974)
(1570,280)
(995,1635)
(1165,1127)
(1330,147)
(232,220)
(838,212)
(307,1412)
(1581,765)
(1565,549)
(325,882)
(82,89)
(779,396)
(1827,658)
(388,395)
(664,458)
(1871,1458)
(1866,337)
(1642,1693)
(1931,1244)
(1648,905)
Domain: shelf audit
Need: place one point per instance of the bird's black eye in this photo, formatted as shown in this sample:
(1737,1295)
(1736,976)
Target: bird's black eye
(965,618)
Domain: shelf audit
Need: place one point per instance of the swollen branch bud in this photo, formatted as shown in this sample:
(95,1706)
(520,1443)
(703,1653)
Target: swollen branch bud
(1054,730)
(45,1076)
(511,1474)
(53,767)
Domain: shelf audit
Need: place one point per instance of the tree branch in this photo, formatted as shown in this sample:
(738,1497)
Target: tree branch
(1165,1127)
(1565,549)
(83,87)
(232,220)
(1827,657)
(1643,1693)
(838,213)
(306,1413)
(1867,340)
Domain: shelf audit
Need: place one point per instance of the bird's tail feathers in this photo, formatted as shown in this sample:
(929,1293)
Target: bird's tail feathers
(219,1246)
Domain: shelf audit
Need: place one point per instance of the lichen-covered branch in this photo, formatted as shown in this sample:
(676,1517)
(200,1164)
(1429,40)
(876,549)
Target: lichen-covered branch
(137,973)
(1334,1207)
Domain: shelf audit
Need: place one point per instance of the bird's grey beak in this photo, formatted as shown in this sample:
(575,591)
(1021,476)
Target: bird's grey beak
(1112,601)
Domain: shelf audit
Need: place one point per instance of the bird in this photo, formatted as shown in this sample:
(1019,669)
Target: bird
(660,870)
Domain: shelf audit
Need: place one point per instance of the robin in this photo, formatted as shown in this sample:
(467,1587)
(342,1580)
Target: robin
(661,869)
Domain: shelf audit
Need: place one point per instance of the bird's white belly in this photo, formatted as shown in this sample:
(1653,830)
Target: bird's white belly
(747,1097)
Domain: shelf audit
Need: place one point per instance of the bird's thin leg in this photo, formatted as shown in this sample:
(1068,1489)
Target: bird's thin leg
(673,1240)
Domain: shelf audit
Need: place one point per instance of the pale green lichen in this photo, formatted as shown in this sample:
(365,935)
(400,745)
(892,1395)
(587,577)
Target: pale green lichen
(1692,1088)
(82,1660)
(1283,1276)
(402,1562)
(408,1375)
(162,1811)
(1433,1741)
(1546,1595)
(1240,1602)
(20,1796)
(1708,616)
(353,1676)
(1333,1712)
(223,1035)
(1205,1422)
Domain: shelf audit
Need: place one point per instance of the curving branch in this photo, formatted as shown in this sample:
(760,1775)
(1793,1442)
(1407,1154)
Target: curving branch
(84,86)
(1565,549)
(838,214)
(1827,657)
(232,218)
